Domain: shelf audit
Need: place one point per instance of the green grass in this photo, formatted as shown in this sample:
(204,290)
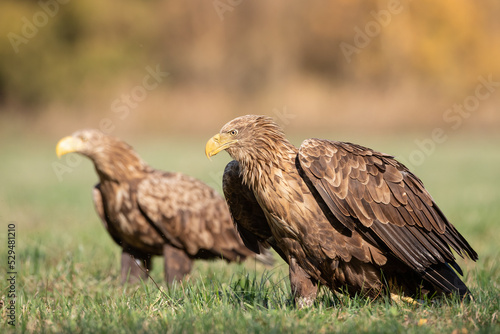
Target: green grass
(68,267)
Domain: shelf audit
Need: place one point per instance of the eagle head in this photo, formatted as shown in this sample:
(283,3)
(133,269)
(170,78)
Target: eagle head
(111,156)
(88,142)
(243,135)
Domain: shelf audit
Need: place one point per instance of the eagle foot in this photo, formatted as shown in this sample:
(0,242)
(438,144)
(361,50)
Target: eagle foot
(399,299)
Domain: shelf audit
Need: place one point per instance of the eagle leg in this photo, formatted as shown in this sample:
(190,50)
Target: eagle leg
(135,266)
(303,286)
(177,263)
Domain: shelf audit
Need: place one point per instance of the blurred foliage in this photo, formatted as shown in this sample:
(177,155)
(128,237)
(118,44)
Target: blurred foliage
(88,50)
(82,44)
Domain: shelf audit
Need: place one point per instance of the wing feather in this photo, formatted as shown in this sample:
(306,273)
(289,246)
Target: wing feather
(99,207)
(189,215)
(373,193)
(246,212)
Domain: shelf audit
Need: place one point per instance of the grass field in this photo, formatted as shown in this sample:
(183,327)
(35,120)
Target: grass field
(68,267)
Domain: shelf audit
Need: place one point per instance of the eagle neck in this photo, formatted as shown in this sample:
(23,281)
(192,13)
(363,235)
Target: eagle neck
(258,165)
(118,167)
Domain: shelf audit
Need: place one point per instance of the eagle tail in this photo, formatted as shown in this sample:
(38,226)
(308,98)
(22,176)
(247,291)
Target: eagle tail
(443,277)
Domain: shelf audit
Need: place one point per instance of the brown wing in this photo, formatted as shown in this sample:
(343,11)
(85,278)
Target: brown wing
(379,197)
(99,207)
(246,212)
(190,215)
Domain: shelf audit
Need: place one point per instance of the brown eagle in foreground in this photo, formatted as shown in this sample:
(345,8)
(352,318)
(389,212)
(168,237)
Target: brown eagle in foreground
(150,212)
(339,214)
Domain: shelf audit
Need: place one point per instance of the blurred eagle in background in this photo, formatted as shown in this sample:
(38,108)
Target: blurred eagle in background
(339,214)
(151,212)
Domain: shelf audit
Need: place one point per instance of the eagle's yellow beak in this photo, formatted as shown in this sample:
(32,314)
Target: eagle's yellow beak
(218,143)
(67,145)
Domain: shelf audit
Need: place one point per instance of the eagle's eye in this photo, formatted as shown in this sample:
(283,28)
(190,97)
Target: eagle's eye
(233,132)
(83,138)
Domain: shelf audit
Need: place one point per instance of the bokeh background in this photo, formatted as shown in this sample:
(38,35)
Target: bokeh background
(231,57)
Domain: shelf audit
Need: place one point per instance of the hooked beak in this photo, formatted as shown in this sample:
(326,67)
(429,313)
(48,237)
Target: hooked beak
(67,145)
(218,143)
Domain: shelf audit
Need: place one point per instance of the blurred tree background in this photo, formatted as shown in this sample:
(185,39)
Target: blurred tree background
(383,65)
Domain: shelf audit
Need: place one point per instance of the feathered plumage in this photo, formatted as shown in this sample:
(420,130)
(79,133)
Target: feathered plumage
(340,214)
(151,212)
